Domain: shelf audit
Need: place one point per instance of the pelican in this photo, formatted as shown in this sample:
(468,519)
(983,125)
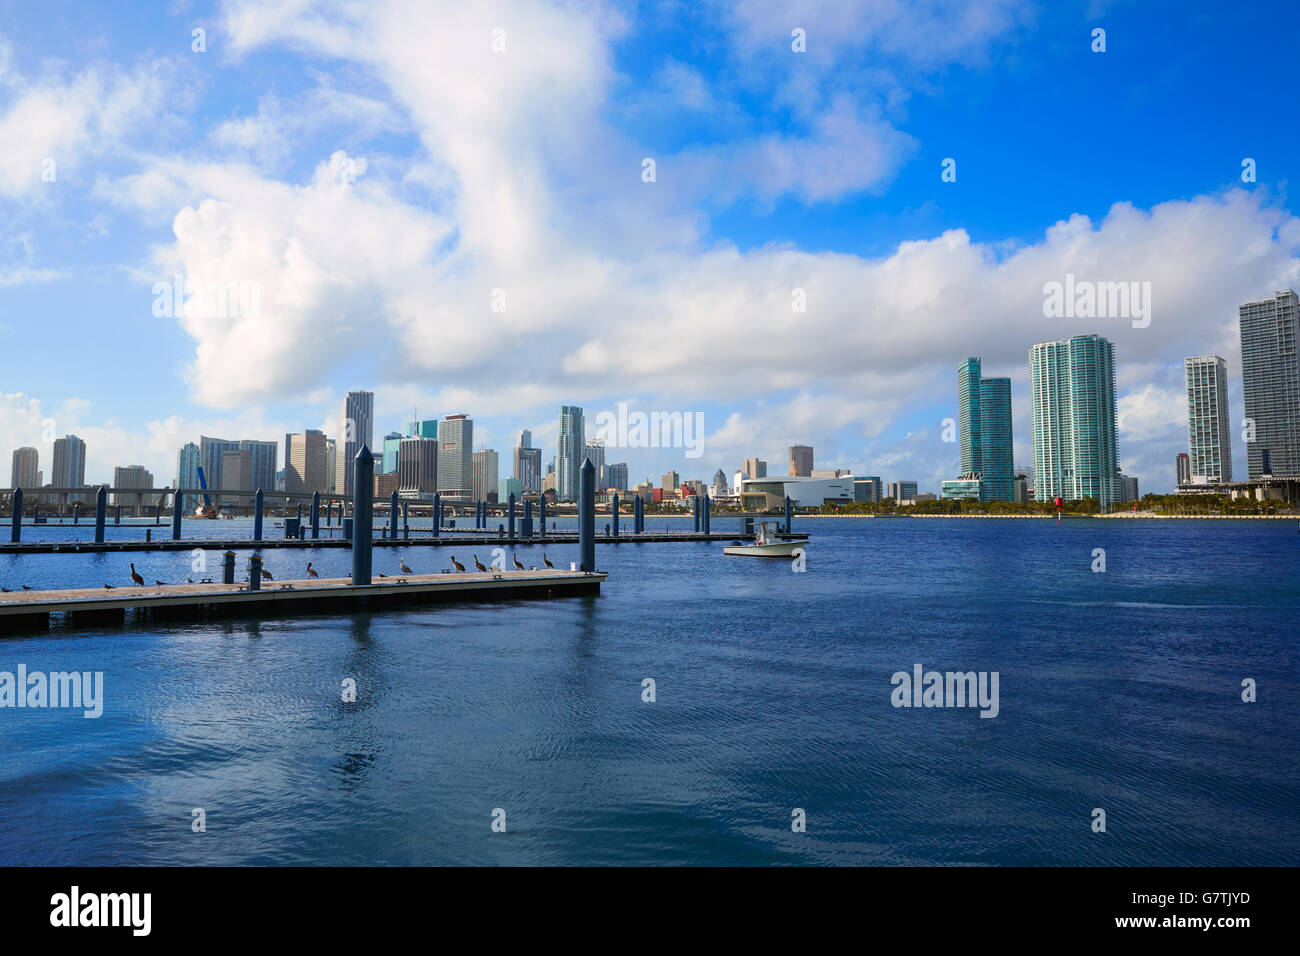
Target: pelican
(4,590)
(478,564)
(405,569)
(459,566)
(515,559)
(136,577)
(546,561)
(311,572)
(266,575)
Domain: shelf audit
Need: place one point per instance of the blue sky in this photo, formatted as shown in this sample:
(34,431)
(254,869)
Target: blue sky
(377,171)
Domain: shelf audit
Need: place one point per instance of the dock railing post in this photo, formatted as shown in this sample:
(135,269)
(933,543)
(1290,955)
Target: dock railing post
(587,516)
(363,491)
(16,531)
(510,514)
(178,506)
(315,515)
(255,573)
(392,516)
(257,515)
(101,506)
(228,568)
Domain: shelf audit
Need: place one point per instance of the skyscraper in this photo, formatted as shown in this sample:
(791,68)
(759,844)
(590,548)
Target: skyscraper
(356,428)
(754,468)
(392,448)
(571,445)
(455,456)
(187,466)
(1209,433)
(485,464)
(528,463)
(801,461)
(1270,373)
(616,475)
(133,476)
(596,455)
(69,463)
(306,462)
(1072,396)
(418,467)
(262,465)
(25,468)
(1183,467)
(211,452)
(984,410)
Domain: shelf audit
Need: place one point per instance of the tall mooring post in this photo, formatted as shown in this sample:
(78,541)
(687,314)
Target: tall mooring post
(117,514)
(228,568)
(587,517)
(315,514)
(528,517)
(406,519)
(257,515)
(101,506)
(437,513)
(787,514)
(392,516)
(76,513)
(695,509)
(178,508)
(541,513)
(704,511)
(637,515)
(363,491)
(16,531)
(255,573)
(614,509)
(510,515)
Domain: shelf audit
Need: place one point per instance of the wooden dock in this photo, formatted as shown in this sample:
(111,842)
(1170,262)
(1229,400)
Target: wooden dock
(23,612)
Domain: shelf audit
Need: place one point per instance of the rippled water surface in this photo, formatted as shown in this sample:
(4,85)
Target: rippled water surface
(1118,690)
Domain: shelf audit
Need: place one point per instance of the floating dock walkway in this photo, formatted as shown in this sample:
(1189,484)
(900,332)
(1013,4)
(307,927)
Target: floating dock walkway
(24,612)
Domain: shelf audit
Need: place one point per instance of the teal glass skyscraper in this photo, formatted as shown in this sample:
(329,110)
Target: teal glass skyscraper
(1072,395)
(984,410)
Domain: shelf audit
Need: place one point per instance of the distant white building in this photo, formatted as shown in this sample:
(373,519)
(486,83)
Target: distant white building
(763,494)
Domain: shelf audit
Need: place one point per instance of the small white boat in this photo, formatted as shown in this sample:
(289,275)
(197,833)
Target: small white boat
(766,544)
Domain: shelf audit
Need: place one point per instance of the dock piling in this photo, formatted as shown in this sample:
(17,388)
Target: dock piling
(541,509)
(528,518)
(392,516)
(257,515)
(16,531)
(101,505)
(704,510)
(614,509)
(587,516)
(255,573)
(363,485)
(228,568)
(437,513)
(510,514)
(315,515)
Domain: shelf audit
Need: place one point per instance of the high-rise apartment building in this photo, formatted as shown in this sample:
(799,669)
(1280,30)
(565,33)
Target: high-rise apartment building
(187,466)
(984,412)
(418,467)
(262,464)
(455,457)
(69,469)
(1209,432)
(236,474)
(485,465)
(133,476)
(754,468)
(616,475)
(571,447)
(801,461)
(356,428)
(670,479)
(1072,396)
(26,468)
(596,455)
(1183,467)
(1270,373)
(306,462)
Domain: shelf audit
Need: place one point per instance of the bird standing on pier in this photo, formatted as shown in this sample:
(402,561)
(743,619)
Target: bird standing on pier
(266,575)
(546,561)
(108,587)
(136,577)
(459,566)
(405,569)
(27,587)
(311,572)
(515,559)
(160,583)
(478,564)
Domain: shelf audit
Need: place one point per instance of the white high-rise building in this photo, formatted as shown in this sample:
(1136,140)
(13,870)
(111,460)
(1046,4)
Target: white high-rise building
(1209,431)
(570,451)
(356,428)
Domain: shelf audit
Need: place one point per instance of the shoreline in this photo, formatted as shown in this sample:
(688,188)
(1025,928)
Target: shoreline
(1118,515)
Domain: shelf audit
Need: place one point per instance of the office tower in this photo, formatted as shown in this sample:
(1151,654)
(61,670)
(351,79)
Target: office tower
(455,456)
(391,444)
(719,483)
(984,411)
(426,428)
(69,469)
(211,451)
(1183,466)
(1209,432)
(25,468)
(571,446)
(356,428)
(236,474)
(1270,373)
(1128,489)
(868,488)
(306,462)
(596,455)
(187,466)
(418,467)
(669,480)
(801,461)
(331,463)
(528,467)
(1072,395)
(524,439)
(754,468)
(485,465)
(903,490)
(132,476)
(262,464)
(616,475)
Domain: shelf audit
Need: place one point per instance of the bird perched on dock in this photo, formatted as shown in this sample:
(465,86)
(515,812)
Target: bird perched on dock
(311,572)
(190,580)
(4,590)
(515,559)
(27,587)
(381,574)
(135,576)
(546,561)
(405,569)
(266,575)
(459,566)
(108,587)
(159,583)
(478,564)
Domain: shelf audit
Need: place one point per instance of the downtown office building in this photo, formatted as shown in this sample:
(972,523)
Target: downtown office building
(1270,373)
(1072,396)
